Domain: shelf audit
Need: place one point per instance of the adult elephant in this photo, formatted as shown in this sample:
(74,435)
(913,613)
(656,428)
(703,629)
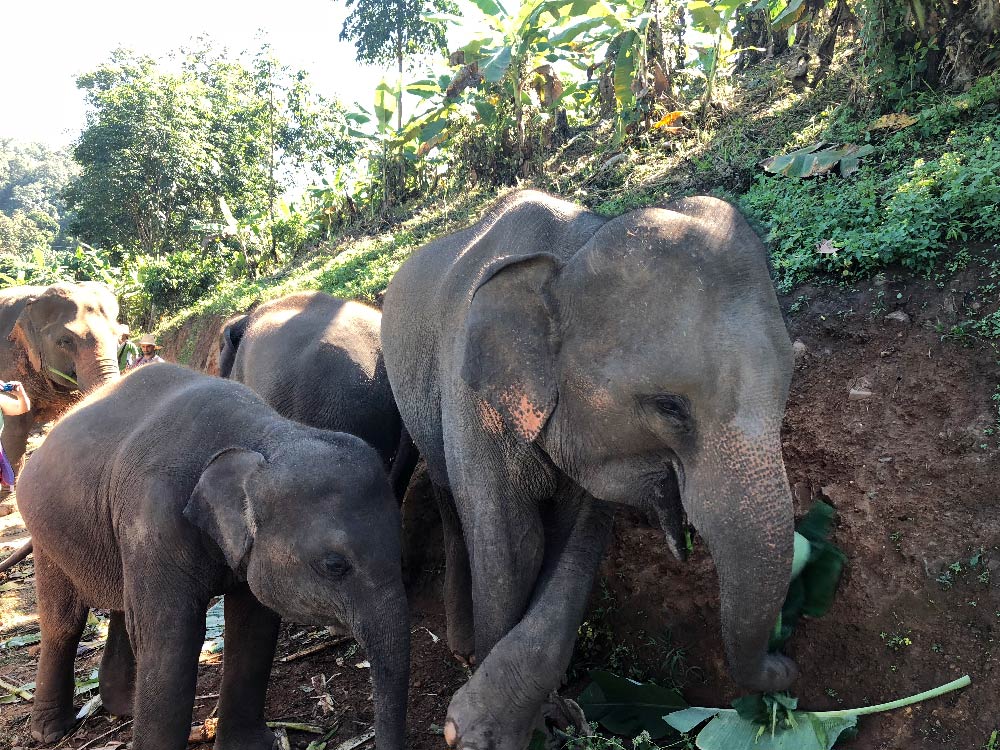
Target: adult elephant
(318,360)
(58,341)
(550,363)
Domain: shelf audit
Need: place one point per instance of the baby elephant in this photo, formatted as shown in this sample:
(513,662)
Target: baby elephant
(167,488)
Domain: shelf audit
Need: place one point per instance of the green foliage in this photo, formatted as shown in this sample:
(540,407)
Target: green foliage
(885,215)
(173,281)
(816,572)
(162,147)
(915,45)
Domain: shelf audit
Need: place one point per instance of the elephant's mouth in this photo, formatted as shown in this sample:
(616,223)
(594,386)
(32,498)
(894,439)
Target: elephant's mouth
(63,382)
(665,499)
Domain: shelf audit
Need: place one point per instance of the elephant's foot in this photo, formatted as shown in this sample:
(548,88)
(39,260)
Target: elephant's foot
(483,718)
(117,698)
(51,723)
(462,641)
(245,738)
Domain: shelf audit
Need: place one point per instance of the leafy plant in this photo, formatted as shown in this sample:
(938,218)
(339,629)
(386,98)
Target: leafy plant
(774,723)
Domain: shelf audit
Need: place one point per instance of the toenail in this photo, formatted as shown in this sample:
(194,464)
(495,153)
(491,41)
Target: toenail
(450,733)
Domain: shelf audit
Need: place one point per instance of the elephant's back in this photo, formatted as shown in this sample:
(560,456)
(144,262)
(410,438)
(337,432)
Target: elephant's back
(318,360)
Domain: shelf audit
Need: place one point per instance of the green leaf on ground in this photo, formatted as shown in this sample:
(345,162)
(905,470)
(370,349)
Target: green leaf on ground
(21,640)
(627,707)
(819,158)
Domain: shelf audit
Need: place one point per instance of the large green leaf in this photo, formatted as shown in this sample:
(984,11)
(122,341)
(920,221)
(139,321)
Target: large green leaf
(491,8)
(496,66)
(423,89)
(575,30)
(727,731)
(385,105)
(704,16)
(789,15)
(815,159)
(627,707)
(625,69)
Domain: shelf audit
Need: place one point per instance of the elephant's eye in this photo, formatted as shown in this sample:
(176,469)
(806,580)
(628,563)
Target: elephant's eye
(65,342)
(674,408)
(335,565)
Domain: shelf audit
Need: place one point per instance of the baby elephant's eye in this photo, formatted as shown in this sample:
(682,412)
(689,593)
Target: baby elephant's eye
(336,565)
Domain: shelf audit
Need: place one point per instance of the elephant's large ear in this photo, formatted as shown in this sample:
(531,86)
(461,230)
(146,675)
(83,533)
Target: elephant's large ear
(232,335)
(220,505)
(27,333)
(511,339)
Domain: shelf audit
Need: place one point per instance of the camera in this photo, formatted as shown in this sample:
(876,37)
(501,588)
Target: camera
(7,387)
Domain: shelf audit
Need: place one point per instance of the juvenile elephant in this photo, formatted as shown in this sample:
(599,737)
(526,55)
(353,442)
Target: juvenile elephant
(318,360)
(169,487)
(549,363)
(47,333)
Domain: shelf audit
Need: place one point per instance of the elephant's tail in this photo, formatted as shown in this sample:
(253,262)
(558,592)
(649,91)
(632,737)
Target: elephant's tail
(14,559)
(403,464)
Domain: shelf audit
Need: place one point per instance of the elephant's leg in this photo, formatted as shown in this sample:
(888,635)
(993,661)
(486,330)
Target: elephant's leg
(62,616)
(500,705)
(507,543)
(251,637)
(166,626)
(117,673)
(457,581)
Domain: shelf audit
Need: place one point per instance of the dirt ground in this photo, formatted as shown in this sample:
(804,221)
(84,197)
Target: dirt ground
(910,464)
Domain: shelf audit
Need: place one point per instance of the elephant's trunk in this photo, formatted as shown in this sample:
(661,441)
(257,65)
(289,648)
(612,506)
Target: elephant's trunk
(93,372)
(384,633)
(737,496)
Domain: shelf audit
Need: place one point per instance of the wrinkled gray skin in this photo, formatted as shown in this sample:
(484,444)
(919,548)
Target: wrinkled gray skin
(318,360)
(72,328)
(184,486)
(549,363)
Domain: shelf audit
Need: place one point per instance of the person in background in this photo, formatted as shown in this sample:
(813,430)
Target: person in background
(128,352)
(13,401)
(149,346)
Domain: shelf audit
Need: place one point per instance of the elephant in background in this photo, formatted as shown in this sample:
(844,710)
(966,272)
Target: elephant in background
(47,333)
(206,490)
(318,360)
(550,363)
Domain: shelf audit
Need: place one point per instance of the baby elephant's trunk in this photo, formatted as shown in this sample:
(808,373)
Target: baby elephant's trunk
(384,633)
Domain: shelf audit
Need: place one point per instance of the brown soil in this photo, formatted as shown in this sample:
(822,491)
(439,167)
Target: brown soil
(911,471)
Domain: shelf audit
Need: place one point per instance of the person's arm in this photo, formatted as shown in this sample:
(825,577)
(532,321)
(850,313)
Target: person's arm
(16,401)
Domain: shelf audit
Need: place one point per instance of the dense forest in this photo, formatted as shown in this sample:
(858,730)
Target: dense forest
(854,134)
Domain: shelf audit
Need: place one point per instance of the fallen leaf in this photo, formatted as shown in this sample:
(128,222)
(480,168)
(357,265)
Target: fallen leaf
(896,121)
(204,732)
(669,119)
(826,247)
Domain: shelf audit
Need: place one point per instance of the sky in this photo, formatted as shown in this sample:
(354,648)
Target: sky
(45,44)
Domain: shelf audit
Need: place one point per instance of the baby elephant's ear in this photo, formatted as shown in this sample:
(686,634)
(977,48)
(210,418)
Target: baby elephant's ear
(220,506)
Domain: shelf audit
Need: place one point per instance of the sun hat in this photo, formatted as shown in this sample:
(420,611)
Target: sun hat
(148,340)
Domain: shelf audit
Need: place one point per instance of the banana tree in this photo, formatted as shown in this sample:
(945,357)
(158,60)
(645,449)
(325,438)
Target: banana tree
(515,48)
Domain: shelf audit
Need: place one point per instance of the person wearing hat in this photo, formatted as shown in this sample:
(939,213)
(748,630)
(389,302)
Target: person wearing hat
(128,352)
(149,346)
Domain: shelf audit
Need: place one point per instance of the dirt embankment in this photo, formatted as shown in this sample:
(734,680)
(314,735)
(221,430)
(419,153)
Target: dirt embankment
(911,465)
